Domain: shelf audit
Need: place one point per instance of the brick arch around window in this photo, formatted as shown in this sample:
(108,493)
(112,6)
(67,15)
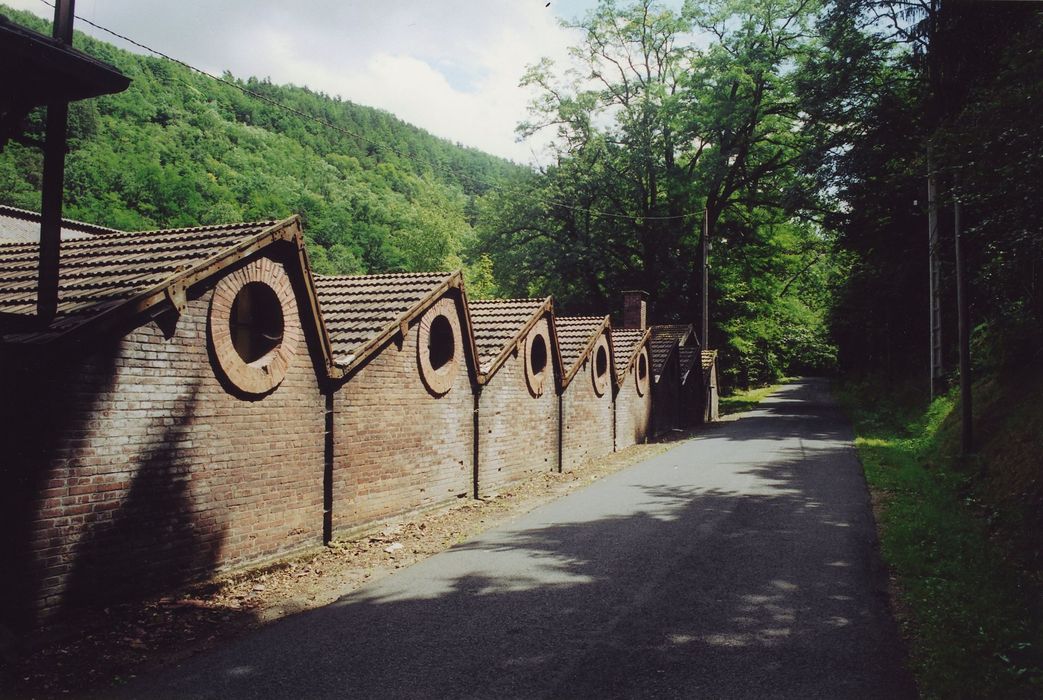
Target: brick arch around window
(250,346)
(440,347)
(539,370)
(601,365)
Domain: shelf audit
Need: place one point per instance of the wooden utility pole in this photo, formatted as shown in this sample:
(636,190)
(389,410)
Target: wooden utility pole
(966,420)
(705,253)
(53,180)
(935,298)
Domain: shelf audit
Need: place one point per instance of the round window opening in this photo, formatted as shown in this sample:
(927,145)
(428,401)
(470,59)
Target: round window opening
(441,347)
(538,355)
(601,362)
(642,368)
(256,322)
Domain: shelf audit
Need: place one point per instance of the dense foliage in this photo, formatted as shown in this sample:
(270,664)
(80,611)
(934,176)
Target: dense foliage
(651,132)
(794,131)
(181,149)
(962,78)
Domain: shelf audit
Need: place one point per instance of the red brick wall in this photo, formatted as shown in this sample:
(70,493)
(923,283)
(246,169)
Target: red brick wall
(397,446)
(132,467)
(517,432)
(587,420)
(633,411)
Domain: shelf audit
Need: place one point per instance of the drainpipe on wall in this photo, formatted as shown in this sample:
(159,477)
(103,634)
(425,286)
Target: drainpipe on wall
(561,420)
(475,429)
(327,471)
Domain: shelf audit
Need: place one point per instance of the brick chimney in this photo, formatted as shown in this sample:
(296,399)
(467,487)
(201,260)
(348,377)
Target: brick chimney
(635,309)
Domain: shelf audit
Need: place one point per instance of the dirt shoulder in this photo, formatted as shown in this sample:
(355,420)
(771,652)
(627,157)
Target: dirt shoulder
(107,647)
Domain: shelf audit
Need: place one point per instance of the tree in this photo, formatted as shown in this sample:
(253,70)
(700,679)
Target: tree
(649,130)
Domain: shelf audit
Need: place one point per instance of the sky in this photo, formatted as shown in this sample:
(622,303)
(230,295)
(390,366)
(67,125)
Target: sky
(451,67)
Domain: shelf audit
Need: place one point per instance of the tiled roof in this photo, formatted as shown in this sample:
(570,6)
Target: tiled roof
(574,332)
(106,270)
(24,226)
(708,358)
(624,343)
(689,355)
(359,308)
(498,322)
(664,338)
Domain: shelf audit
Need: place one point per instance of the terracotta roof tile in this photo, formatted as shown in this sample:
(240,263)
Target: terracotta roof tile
(107,269)
(664,339)
(708,358)
(497,323)
(624,343)
(24,226)
(358,308)
(574,332)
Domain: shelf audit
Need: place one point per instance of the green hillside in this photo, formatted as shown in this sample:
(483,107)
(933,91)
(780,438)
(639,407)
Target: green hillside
(181,149)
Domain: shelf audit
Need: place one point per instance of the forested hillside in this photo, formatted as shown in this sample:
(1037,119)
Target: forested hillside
(181,149)
(620,206)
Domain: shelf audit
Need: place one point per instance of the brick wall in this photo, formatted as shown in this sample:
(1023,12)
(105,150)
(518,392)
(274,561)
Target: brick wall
(397,446)
(132,466)
(633,410)
(517,431)
(587,420)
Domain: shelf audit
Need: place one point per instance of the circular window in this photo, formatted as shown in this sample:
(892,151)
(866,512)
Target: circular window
(599,368)
(437,346)
(441,347)
(537,358)
(256,322)
(253,327)
(641,374)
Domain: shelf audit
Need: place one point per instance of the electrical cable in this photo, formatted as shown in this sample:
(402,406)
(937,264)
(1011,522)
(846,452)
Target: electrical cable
(348,132)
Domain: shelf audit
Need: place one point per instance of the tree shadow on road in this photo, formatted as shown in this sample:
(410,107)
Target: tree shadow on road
(671,588)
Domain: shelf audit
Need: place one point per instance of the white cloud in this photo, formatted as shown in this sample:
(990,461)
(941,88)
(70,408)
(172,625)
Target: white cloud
(448,66)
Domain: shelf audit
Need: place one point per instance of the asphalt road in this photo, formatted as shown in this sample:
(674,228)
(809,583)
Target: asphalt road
(739,565)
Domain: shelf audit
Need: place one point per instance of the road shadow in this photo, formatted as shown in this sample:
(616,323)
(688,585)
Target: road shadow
(677,578)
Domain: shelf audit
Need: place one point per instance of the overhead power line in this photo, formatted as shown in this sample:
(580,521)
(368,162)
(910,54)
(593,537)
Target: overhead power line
(348,132)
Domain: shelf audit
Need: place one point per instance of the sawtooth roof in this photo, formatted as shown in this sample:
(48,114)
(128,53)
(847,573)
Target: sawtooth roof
(575,335)
(360,309)
(109,270)
(498,323)
(23,226)
(664,339)
(708,358)
(688,355)
(625,343)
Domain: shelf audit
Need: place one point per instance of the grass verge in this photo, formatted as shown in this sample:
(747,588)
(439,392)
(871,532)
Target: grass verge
(741,401)
(970,614)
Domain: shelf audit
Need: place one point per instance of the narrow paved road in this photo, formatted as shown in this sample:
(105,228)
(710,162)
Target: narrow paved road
(739,565)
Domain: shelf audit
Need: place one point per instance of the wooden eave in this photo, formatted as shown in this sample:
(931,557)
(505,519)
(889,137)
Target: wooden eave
(669,358)
(53,71)
(174,288)
(348,364)
(545,309)
(645,337)
(587,349)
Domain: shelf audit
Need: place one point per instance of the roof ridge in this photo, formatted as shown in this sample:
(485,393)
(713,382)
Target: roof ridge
(30,215)
(208,227)
(515,299)
(378,275)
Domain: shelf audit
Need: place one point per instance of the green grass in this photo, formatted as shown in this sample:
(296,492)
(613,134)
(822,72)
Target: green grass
(741,401)
(971,616)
